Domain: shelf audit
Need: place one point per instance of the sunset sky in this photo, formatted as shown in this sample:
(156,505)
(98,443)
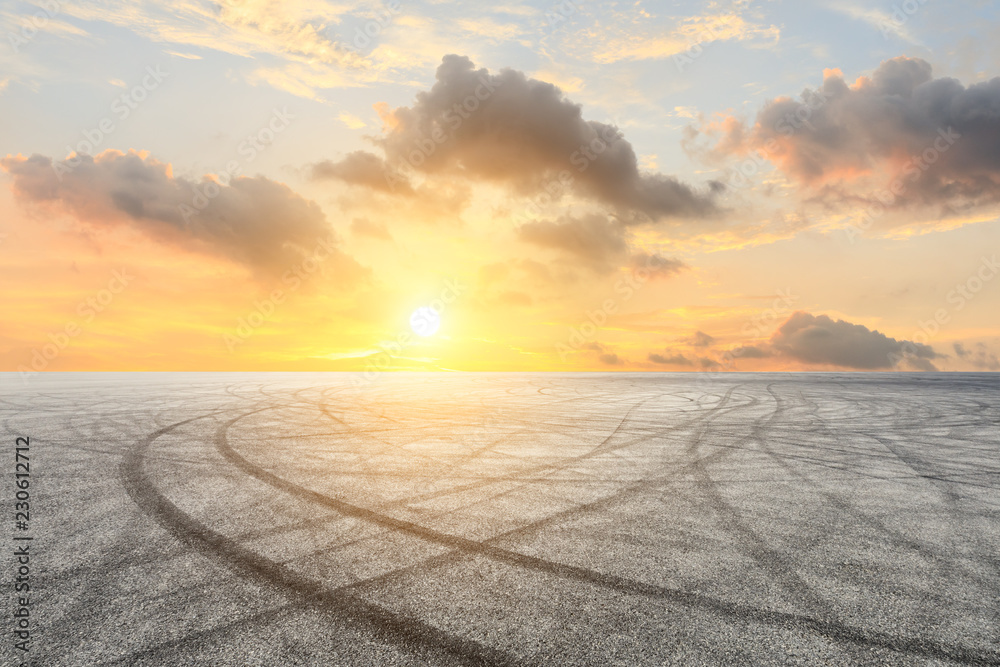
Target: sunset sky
(684,186)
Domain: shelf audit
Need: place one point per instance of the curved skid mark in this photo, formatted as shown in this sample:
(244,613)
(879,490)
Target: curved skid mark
(930,553)
(831,629)
(384,624)
(552,468)
(197,637)
(748,542)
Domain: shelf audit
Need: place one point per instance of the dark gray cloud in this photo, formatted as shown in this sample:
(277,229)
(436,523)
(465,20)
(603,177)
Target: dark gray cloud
(935,139)
(818,339)
(253,221)
(611,359)
(509,128)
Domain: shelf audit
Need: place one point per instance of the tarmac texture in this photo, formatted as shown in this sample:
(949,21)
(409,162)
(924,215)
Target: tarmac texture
(508,519)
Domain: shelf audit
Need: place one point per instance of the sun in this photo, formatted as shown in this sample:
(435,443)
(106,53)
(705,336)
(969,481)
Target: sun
(425,321)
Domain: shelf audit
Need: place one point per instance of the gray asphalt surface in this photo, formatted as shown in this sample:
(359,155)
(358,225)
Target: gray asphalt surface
(509,519)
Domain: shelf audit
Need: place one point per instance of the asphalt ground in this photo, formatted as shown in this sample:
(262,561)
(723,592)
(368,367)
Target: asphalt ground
(507,519)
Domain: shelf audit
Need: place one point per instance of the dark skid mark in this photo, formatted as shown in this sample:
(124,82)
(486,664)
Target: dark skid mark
(385,625)
(831,629)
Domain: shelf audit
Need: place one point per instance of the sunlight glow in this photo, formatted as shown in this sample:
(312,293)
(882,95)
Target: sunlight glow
(425,321)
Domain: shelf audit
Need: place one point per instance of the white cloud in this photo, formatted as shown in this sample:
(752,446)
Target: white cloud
(882,21)
(651,40)
(351,121)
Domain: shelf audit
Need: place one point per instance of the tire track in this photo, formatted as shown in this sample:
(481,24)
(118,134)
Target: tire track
(833,629)
(383,624)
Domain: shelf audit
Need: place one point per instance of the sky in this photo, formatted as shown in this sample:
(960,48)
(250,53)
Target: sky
(545,186)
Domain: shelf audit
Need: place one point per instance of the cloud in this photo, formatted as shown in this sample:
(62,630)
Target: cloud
(656,265)
(296,29)
(185,56)
(605,354)
(351,121)
(899,137)
(686,39)
(256,222)
(512,129)
(700,339)
(750,352)
(297,37)
(430,201)
(364,169)
(672,360)
(365,227)
(611,359)
(980,357)
(593,238)
(599,242)
(885,22)
(543,280)
(817,339)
